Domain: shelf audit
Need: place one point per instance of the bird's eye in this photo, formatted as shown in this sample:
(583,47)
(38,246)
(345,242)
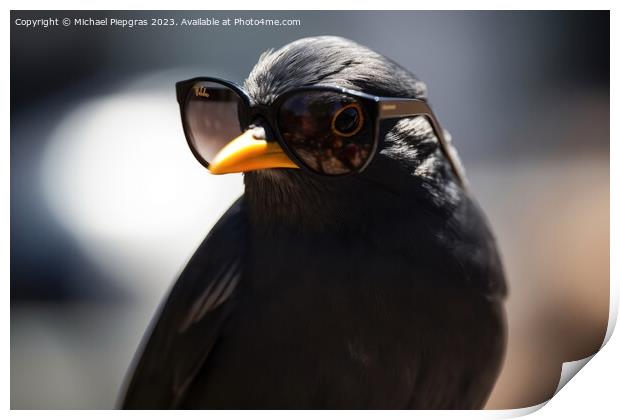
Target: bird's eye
(348,120)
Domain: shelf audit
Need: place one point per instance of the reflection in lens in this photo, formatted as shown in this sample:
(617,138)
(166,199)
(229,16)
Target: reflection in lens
(348,120)
(211,117)
(326,130)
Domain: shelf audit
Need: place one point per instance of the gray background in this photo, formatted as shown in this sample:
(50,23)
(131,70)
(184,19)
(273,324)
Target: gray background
(107,203)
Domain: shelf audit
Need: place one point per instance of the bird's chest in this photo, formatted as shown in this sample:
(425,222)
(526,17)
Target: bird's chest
(342,269)
(340,317)
(353,295)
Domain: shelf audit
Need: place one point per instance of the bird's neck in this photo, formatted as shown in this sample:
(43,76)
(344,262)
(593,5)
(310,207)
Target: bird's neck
(291,201)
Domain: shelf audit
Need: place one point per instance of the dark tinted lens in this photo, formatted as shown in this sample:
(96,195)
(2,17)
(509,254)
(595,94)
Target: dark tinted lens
(328,131)
(211,117)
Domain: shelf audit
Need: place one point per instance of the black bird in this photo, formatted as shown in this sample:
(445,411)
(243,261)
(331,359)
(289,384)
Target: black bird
(378,290)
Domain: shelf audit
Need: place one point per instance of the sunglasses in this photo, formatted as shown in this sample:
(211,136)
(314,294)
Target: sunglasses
(326,130)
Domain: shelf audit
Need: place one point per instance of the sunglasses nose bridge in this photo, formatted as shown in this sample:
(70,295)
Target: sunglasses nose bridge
(259,117)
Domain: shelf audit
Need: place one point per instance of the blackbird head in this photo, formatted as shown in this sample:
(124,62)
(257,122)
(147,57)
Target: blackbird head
(410,167)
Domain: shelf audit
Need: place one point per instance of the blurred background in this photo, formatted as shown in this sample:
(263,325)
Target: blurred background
(108,203)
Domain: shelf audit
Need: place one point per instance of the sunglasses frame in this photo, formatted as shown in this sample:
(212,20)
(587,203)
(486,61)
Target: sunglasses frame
(377,109)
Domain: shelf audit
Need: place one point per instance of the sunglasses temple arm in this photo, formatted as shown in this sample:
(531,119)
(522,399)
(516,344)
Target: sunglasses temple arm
(403,108)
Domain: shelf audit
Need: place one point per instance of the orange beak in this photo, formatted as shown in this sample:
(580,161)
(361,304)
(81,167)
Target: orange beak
(248,153)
